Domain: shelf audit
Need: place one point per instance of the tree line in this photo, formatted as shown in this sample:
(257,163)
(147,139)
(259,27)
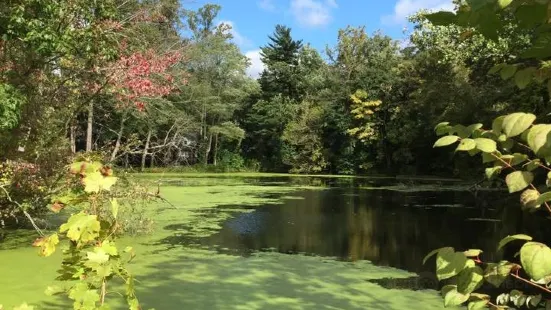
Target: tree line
(152,84)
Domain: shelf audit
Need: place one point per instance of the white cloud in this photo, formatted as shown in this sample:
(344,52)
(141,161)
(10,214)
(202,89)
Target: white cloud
(267,5)
(313,13)
(257,66)
(404,8)
(238,38)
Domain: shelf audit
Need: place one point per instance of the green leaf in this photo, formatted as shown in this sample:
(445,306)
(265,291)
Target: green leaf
(477,305)
(524,76)
(47,244)
(469,280)
(508,71)
(548,180)
(97,257)
(462,131)
(518,180)
(545,197)
(466,145)
(486,145)
(529,199)
(449,263)
(492,172)
(539,139)
(442,18)
(535,258)
(81,228)
(96,182)
(497,125)
(445,141)
(107,247)
(472,252)
(487,158)
(114,208)
(504,3)
(442,128)
(508,239)
(432,253)
(533,165)
(77,167)
(516,123)
(454,298)
(84,298)
(495,274)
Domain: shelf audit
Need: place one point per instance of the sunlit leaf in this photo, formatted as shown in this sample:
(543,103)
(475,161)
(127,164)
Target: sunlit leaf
(504,3)
(535,257)
(81,228)
(518,180)
(486,145)
(508,239)
(445,141)
(47,244)
(472,252)
(454,298)
(529,199)
(466,145)
(492,172)
(516,123)
(83,296)
(495,274)
(477,305)
(539,139)
(545,197)
(469,280)
(449,263)
(434,252)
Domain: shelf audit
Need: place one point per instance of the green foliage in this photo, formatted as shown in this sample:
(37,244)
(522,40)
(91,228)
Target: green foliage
(92,256)
(11,102)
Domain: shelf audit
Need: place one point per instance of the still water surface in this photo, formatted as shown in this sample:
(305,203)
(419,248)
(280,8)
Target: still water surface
(388,226)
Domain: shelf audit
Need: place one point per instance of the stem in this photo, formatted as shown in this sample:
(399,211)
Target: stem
(103,291)
(38,230)
(531,283)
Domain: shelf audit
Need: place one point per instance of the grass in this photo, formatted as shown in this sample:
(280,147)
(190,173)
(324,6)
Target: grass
(175,275)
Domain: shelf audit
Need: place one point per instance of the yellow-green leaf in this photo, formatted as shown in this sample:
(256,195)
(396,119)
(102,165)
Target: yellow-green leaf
(504,3)
(472,252)
(495,274)
(454,298)
(47,244)
(449,263)
(469,280)
(529,199)
(466,145)
(539,139)
(81,228)
(535,258)
(508,239)
(477,305)
(516,123)
(445,141)
(114,208)
(486,145)
(518,180)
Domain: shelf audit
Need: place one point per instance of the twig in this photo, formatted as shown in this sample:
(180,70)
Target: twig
(24,212)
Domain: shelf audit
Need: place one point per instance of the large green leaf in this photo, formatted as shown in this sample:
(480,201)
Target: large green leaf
(466,145)
(486,145)
(518,180)
(445,141)
(535,258)
(493,171)
(543,198)
(449,263)
(469,280)
(434,252)
(508,239)
(539,139)
(497,125)
(495,274)
(442,128)
(81,228)
(95,182)
(454,298)
(516,123)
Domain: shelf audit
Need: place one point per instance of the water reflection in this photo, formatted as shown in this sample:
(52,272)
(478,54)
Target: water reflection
(386,227)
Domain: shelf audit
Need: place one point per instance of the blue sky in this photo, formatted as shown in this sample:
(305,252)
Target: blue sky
(314,21)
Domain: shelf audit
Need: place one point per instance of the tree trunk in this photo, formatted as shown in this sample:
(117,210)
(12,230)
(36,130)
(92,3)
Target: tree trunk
(215,150)
(145,149)
(207,151)
(118,142)
(90,126)
(72,136)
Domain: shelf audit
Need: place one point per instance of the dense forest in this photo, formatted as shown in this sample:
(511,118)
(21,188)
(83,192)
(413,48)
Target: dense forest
(151,84)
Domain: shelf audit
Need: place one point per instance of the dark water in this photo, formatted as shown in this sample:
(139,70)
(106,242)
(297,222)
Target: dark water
(387,227)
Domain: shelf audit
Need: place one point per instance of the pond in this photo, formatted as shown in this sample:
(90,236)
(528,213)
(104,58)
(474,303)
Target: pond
(293,243)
